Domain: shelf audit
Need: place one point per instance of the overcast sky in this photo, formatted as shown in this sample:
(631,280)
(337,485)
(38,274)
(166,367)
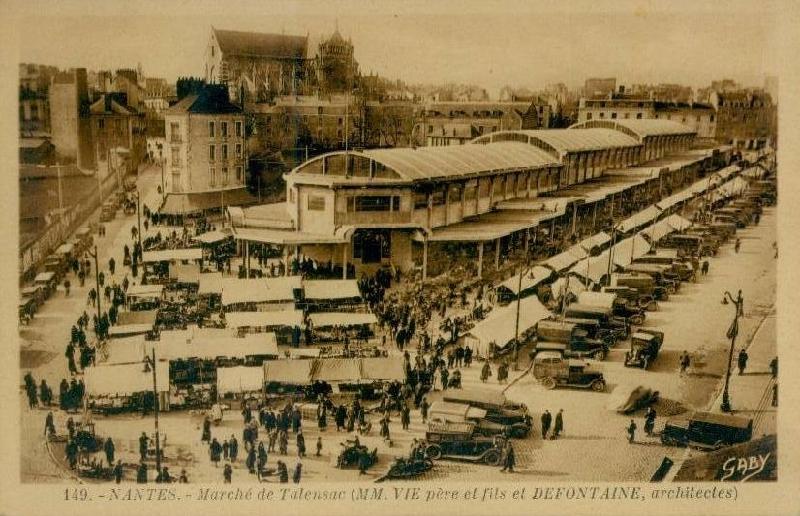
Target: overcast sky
(489,44)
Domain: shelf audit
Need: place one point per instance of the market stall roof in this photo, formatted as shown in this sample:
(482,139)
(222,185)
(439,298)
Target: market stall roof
(593,241)
(603,299)
(125,350)
(331,289)
(499,326)
(259,290)
(264,319)
(677,222)
(535,276)
(145,291)
(239,379)
(639,219)
(657,231)
(231,347)
(184,203)
(187,274)
(592,268)
(323,319)
(297,372)
(146,317)
(210,283)
(561,261)
(625,251)
(562,141)
(124,330)
(212,237)
(168,255)
(286,236)
(674,199)
(298,353)
(489,226)
(641,127)
(44,277)
(337,369)
(124,379)
(65,249)
(383,368)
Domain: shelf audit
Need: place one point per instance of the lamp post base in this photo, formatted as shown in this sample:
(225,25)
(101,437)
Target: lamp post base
(725,406)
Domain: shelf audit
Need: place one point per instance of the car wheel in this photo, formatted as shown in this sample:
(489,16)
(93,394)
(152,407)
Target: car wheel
(598,385)
(672,289)
(599,354)
(492,458)
(548,383)
(637,319)
(434,451)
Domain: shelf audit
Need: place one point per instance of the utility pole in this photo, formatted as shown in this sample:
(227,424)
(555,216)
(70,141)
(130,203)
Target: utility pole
(733,331)
(139,217)
(152,362)
(60,195)
(96,279)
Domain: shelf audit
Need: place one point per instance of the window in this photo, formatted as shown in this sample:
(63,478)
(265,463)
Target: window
(176,180)
(239,174)
(316,203)
(638,115)
(483,188)
(455,194)
(224,149)
(373,203)
(470,192)
(437,197)
(613,115)
(238,150)
(212,176)
(224,176)
(588,116)
(340,121)
(175,131)
(420,200)
(499,184)
(224,129)
(711,119)
(176,156)
(101,124)
(602,114)
(238,129)
(430,128)
(627,115)
(212,152)
(211,132)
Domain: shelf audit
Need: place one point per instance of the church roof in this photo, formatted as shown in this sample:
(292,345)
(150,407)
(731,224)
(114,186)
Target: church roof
(240,43)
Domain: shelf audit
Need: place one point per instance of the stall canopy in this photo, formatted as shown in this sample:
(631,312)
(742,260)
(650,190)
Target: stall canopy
(562,285)
(145,291)
(592,268)
(500,325)
(331,289)
(259,290)
(210,283)
(264,319)
(597,240)
(124,379)
(186,274)
(261,344)
(561,261)
(383,369)
(133,323)
(639,219)
(212,237)
(125,350)
(296,372)
(299,353)
(44,277)
(603,299)
(168,255)
(677,222)
(335,370)
(657,231)
(530,280)
(674,199)
(625,251)
(239,379)
(325,319)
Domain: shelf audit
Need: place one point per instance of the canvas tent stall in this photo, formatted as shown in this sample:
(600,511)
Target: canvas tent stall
(172,255)
(264,294)
(675,199)
(331,295)
(124,387)
(184,274)
(511,287)
(144,297)
(339,327)
(602,299)
(133,323)
(561,261)
(282,376)
(386,369)
(677,222)
(590,270)
(594,242)
(629,249)
(657,231)
(240,380)
(639,219)
(287,325)
(499,327)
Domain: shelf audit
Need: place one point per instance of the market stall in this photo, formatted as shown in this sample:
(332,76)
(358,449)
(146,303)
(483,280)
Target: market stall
(240,382)
(339,327)
(510,288)
(260,293)
(286,324)
(144,297)
(331,295)
(498,329)
(133,323)
(125,387)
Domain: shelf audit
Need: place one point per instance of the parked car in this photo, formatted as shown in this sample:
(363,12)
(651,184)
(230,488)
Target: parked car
(708,431)
(662,274)
(449,441)
(680,267)
(645,345)
(568,339)
(605,316)
(498,408)
(445,411)
(553,370)
(592,327)
(686,245)
(632,297)
(644,284)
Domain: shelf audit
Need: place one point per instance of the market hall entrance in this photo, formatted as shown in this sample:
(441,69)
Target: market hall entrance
(372,245)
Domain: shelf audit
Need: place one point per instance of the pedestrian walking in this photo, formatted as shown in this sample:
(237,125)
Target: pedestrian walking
(649,421)
(684,361)
(283,473)
(319,446)
(405,416)
(631,431)
(773,367)
(183,479)
(301,444)
(742,361)
(509,458)
(225,449)
(109,448)
(737,245)
(298,471)
(705,267)
(546,420)
(117,472)
(67,285)
(486,371)
(206,435)
(233,448)
(143,442)
(558,427)
(49,425)
(227,473)
(423,409)
(250,462)
(215,451)
(111,265)
(141,473)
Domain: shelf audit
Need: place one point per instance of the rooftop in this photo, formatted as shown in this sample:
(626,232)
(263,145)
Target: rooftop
(259,44)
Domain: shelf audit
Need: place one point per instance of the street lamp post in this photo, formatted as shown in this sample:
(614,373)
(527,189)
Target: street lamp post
(150,361)
(725,406)
(139,217)
(97,280)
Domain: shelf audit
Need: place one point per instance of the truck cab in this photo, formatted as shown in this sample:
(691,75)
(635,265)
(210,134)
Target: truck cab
(645,345)
(553,370)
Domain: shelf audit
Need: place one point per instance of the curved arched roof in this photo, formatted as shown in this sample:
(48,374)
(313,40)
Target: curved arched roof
(643,127)
(567,140)
(430,163)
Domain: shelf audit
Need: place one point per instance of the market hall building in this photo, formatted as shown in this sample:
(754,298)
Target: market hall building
(412,208)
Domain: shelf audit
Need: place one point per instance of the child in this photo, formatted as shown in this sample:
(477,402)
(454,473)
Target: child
(319,446)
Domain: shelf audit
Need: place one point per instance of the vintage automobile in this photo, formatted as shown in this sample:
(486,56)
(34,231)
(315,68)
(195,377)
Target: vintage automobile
(632,297)
(681,267)
(605,316)
(108,212)
(568,339)
(686,245)
(553,370)
(592,327)
(627,398)
(705,430)
(448,412)
(351,453)
(644,284)
(662,274)
(738,217)
(498,408)
(710,238)
(449,441)
(645,345)
(619,306)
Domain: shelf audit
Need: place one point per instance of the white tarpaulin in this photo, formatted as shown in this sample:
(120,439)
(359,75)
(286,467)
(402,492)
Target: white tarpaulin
(629,249)
(264,319)
(603,299)
(639,219)
(561,261)
(296,372)
(530,280)
(259,290)
(124,379)
(323,319)
(258,344)
(189,273)
(592,268)
(500,325)
(124,350)
(597,240)
(212,237)
(331,289)
(674,199)
(304,353)
(657,231)
(145,291)
(168,255)
(560,286)
(210,283)
(383,368)
(239,379)
(677,222)
(121,330)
